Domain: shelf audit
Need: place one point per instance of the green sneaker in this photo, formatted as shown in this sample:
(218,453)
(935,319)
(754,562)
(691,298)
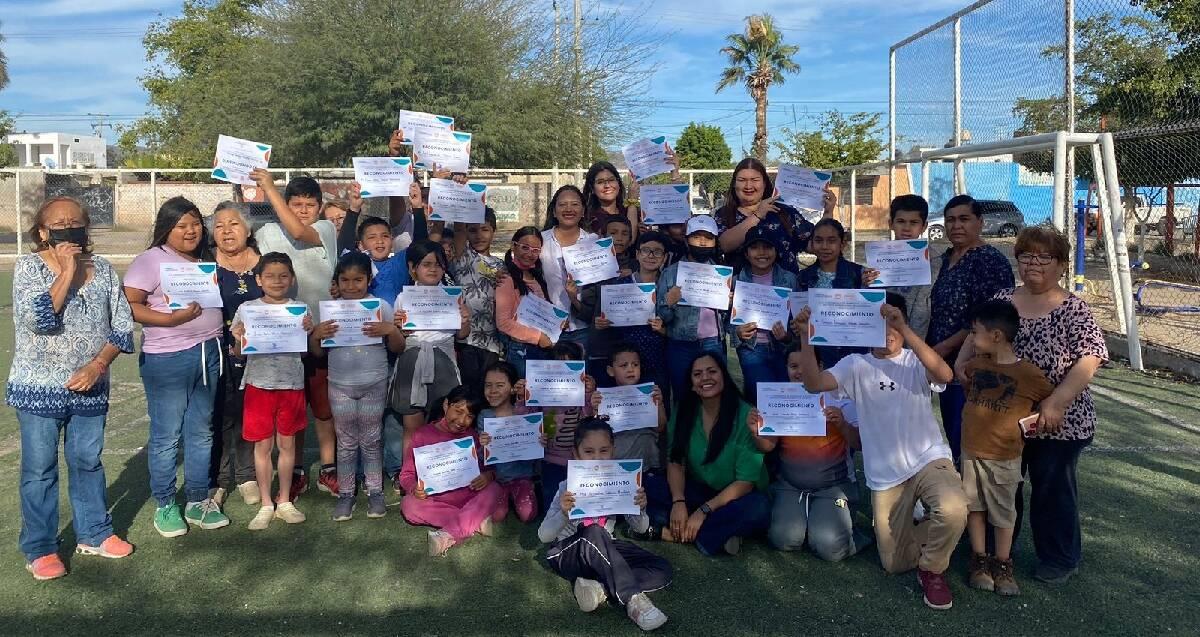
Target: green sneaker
(205,514)
(168,522)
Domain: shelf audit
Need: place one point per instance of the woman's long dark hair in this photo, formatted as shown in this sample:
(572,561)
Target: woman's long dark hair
(688,414)
(592,210)
(517,274)
(169,215)
(728,212)
(551,220)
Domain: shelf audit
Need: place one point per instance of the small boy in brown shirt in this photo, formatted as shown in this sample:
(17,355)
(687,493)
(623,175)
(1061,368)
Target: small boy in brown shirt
(1001,390)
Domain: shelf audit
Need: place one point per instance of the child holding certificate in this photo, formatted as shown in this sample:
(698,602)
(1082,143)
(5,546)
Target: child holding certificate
(358,389)
(761,348)
(621,232)
(908,217)
(274,410)
(560,423)
(478,272)
(625,368)
(524,278)
(585,552)
(459,513)
(834,271)
(501,389)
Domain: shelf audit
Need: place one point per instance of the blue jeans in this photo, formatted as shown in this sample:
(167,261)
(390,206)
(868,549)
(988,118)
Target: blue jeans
(952,401)
(393,443)
(179,396)
(763,363)
(83,440)
(578,337)
(745,516)
(517,353)
(679,359)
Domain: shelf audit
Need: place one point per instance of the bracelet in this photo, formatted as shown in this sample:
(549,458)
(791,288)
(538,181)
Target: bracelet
(629,203)
(674,502)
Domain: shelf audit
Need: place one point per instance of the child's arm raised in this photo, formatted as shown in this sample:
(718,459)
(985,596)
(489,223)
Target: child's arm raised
(292,224)
(815,380)
(936,367)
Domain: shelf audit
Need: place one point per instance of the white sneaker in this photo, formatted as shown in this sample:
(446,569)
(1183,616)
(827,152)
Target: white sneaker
(288,512)
(644,613)
(219,495)
(487,528)
(249,491)
(589,594)
(262,519)
(439,542)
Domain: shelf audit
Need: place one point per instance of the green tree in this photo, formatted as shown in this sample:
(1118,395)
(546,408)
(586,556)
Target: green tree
(758,58)
(3,65)
(8,156)
(840,140)
(703,146)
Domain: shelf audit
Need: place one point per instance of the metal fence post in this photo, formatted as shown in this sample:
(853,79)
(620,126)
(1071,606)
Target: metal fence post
(960,185)
(853,214)
(1110,251)
(1058,214)
(20,241)
(153,190)
(1119,241)
(892,122)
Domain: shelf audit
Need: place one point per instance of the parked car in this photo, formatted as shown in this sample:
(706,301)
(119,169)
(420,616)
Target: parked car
(1000,219)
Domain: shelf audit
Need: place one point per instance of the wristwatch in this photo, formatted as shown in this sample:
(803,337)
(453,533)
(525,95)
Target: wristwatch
(705,509)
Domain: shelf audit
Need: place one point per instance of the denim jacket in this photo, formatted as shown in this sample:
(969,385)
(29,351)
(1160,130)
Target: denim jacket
(780,278)
(848,276)
(682,321)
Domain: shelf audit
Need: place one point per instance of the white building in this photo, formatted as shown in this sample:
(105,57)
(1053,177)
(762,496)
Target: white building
(59,150)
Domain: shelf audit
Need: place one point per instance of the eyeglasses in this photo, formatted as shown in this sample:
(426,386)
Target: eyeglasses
(651,252)
(607,182)
(1028,258)
(528,249)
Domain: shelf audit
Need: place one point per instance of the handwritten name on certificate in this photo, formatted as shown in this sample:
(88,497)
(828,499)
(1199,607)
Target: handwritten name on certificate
(451,201)
(447,149)
(604,487)
(237,157)
(542,316)
(591,261)
(446,466)
(513,438)
(431,307)
(184,283)
(848,318)
(671,203)
(788,410)
(900,262)
(704,285)
(554,383)
(647,158)
(802,187)
(274,329)
(383,176)
(628,304)
(350,317)
(629,407)
(413,124)
(764,305)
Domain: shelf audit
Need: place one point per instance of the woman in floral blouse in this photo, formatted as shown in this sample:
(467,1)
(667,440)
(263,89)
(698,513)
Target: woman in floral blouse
(71,321)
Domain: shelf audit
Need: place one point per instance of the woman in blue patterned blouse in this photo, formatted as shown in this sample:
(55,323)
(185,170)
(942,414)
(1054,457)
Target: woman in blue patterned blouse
(71,321)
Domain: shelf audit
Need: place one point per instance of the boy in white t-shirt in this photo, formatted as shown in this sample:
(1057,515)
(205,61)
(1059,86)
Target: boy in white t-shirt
(905,455)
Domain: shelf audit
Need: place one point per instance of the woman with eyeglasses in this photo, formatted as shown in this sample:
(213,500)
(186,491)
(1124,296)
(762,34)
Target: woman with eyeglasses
(1058,334)
(524,267)
(605,196)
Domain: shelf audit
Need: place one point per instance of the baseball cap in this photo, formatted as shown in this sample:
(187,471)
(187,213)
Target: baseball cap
(759,233)
(702,223)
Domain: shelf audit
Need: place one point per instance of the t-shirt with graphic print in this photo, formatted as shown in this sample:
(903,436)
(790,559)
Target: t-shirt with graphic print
(998,396)
(476,273)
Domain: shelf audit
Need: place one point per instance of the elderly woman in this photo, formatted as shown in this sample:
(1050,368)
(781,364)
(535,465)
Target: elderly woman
(71,322)
(971,272)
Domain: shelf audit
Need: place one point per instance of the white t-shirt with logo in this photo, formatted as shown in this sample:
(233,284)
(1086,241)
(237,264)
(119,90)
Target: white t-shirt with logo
(895,415)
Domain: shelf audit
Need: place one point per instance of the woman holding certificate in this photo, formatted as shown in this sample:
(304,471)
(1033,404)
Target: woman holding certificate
(525,278)
(71,321)
(563,231)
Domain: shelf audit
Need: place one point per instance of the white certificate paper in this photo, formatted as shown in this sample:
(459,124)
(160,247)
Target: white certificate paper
(704,285)
(431,307)
(542,316)
(846,317)
(628,304)
(444,148)
(765,305)
(802,187)
(629,407)
(446,466)
(415,123)
(513,438)
(671,203)
(383,176)
(184,283)
(554,383)
(788,410)
(796,302)
(647,158)
(591,261)
(604,487)
(451,201)
(350,317)
(900,262)
(274,329)
(237,157)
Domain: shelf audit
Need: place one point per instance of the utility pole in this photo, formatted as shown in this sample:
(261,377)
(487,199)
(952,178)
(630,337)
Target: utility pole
(558,149)
(578,49)
(98,125)
(795,121)
(741,140)
(556,36)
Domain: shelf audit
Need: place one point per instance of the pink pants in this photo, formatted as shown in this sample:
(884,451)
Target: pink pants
(520,491)
(458,512)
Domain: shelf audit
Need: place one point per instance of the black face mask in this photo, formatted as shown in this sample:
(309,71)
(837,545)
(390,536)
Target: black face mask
(78,236)
(702,254)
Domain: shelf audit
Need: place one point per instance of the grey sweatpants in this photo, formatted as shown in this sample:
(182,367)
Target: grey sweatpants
(821,518)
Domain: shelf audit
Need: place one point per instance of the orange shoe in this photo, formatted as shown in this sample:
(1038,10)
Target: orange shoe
(113,548)
(46,567)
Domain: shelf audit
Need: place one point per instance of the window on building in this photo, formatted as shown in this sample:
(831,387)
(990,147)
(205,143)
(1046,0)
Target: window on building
(864,194)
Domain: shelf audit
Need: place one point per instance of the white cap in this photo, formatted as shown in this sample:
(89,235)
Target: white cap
(702,223)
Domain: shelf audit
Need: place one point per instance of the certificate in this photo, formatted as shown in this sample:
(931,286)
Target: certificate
(444,148)
(765,305)
(383,176)
(604,487)
(900,262)
(647,158)
(846,317)
(665,204)
(350,317)
(237,157)
(802,187)
(788,410)
(628,304)
(542,316)
(431,307)
(184,283)
(415,123)
(591,261)
(446,466)
(554,383)
(274,329)
(629,407)
(704,285)
(513,438)
(796,302)
(451,201)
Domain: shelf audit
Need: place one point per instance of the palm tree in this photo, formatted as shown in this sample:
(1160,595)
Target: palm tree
(758,58)
(3,67)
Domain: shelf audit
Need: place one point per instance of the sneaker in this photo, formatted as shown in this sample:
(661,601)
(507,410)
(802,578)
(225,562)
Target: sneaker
(219,495)
(936,588)
(1005,580)
(327,481)
(112,547)
(344,509)
(169,522)
(733,545)
(1053,574)
(299,485)
(439,542)
(487,528)
(589,594)
(46,567)
(979,572)
(644,613)
(205,514)
(249,491)
(288,512)
(376,505)
(262,519)
(396,484)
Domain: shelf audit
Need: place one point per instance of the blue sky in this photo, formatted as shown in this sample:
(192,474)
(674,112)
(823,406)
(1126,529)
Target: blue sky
(68,58)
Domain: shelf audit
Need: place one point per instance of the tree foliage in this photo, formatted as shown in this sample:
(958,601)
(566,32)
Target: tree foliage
(840,140)
(703,146)
(758,58)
